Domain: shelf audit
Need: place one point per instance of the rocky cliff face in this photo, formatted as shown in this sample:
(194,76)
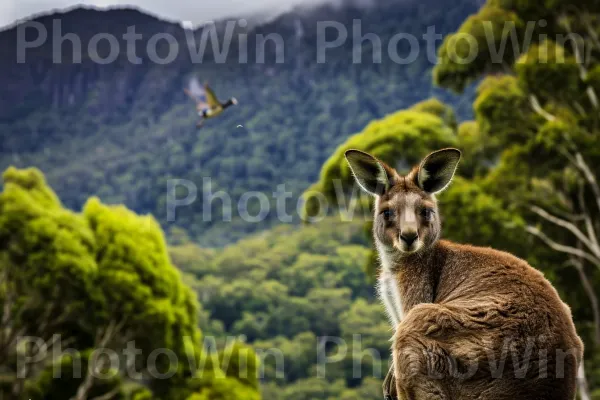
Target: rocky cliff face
(61,72)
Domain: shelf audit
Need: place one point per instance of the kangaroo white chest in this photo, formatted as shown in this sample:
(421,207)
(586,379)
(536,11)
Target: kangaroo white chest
(390,293)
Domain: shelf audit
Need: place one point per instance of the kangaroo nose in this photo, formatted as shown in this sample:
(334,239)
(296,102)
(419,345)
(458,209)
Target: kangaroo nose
(409,237)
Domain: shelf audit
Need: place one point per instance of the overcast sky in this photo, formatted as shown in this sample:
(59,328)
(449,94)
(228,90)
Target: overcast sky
(196,11)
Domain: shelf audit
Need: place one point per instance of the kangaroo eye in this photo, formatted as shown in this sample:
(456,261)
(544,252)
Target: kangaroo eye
(387,214)
(427,214)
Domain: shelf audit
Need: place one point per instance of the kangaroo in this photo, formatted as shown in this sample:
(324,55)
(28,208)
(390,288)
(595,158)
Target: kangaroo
(470,322)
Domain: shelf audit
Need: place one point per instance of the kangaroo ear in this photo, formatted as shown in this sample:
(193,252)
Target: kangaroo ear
(437,169)
(371,174)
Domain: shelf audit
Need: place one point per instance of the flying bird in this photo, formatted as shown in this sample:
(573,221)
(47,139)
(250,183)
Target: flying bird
(207,103)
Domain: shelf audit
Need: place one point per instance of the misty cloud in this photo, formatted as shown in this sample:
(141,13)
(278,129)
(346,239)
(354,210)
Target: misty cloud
(196,12)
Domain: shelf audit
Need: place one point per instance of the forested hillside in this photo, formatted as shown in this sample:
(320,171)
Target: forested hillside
(121,130)
(285,290)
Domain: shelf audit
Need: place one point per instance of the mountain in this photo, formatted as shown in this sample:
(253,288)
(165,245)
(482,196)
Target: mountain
(103,115)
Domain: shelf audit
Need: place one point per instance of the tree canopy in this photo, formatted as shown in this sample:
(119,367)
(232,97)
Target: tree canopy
(94,282)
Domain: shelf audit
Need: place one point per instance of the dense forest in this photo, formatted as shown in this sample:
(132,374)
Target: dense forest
(285,290)
(103,275)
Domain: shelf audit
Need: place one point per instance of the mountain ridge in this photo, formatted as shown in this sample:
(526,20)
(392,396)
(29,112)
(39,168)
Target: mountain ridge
(121,131)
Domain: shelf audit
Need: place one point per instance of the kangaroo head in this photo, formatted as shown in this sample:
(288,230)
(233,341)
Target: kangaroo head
(406,212)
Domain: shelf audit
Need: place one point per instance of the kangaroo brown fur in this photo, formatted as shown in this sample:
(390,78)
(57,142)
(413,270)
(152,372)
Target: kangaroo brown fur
(470,322)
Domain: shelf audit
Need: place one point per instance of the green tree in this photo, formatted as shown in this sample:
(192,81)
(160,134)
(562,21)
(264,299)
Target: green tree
(315,389)
(48,269)
(399,139)
(95,282)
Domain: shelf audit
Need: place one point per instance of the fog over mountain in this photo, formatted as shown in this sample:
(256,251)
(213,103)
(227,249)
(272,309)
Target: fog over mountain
(176,10)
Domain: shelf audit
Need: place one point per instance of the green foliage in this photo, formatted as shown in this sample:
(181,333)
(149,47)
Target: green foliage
(285,288)
(505,30)
(476,148)
(399,139)
(313,388)
(96,281)
(240,362)
(60,380)
(298,352)
(464,55)
(226,389)
(471,215)
(547,69)
(143,286)
(48,268)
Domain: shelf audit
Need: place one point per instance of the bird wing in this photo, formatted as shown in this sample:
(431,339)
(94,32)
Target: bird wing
(196,88)
(196,92)
(200,103)
(211,98)
(191,95)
